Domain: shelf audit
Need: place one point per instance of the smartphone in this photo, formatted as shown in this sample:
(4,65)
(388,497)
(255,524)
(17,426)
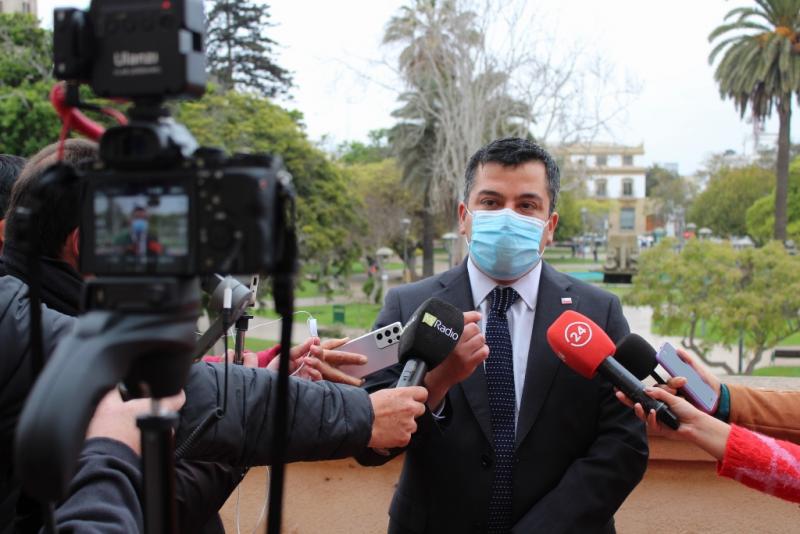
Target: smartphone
(696,390)
(379,346)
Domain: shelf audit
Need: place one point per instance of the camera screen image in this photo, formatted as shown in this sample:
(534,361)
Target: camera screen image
(142,231)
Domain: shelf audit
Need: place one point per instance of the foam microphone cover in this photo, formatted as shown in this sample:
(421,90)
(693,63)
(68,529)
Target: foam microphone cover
(432,332)
(579,342)
(636,355)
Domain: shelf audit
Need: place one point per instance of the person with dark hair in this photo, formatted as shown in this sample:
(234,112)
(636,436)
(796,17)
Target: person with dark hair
(526,444)
(203,484)
(56,229)
(10,167)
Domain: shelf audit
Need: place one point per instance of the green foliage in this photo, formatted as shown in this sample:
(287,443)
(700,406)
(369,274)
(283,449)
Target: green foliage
(754,293)
(669,191)
(328,223)
(759,61)
(759,70)
(240,55)
(778,370)
(25,50)
(761,215)
(376,150)
(27,119)
(569,217)
(723,205)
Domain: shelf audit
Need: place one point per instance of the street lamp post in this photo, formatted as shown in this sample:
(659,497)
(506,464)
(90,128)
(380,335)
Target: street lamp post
(583,227)
(449,240)
(406,223)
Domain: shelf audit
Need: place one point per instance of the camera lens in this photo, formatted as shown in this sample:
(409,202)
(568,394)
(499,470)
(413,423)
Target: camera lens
(379,336)
(396,329)
(387,333)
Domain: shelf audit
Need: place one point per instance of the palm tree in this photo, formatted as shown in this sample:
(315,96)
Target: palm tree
(455,101)
(429,31)
(759,69)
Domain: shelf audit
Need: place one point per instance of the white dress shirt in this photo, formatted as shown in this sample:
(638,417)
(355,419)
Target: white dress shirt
(520,316)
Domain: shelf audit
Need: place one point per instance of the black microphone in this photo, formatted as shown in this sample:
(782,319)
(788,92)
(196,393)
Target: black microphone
(638,356)
(428,337)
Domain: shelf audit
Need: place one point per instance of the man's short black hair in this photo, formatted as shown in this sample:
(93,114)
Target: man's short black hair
(59,212)
(10,167)
(510,152)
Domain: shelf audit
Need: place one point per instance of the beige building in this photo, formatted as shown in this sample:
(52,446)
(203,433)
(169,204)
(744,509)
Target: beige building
(18,6)
(610,172)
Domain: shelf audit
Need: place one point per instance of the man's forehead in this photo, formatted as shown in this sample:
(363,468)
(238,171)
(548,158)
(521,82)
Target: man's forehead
(525,180)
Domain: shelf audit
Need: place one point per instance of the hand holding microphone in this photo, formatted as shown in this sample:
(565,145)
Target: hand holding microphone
(588,350)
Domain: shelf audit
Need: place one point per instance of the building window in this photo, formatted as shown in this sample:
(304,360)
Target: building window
(602,161)
(627,218)
(627,161)
(600,188)
(627,187)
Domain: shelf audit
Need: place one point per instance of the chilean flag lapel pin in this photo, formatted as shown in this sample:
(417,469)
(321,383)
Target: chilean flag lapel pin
(566,300)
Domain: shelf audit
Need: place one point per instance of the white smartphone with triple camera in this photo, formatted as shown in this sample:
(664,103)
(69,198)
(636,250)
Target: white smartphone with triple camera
(379,346)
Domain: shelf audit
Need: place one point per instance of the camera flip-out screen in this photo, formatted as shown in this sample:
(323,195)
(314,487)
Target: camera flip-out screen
(141,229)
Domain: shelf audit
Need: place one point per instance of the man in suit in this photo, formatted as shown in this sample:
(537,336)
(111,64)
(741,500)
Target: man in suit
(523,444)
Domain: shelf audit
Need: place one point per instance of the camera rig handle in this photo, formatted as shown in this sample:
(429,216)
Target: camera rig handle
(66,101)
(103,348)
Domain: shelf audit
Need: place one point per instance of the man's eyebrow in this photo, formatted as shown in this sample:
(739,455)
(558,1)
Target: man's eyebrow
(533,196)
(489,192)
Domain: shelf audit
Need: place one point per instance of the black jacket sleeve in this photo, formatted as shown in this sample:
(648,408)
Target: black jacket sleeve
(104,494)
(325,420)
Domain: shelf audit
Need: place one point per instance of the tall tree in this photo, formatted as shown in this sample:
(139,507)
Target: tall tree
(723,206)
(759,70)
(240,55)
(454,102)
(669,192)
(26,116)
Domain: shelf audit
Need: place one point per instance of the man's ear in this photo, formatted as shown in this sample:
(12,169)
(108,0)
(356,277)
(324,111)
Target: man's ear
(463,228)
(72,247)
(550,228)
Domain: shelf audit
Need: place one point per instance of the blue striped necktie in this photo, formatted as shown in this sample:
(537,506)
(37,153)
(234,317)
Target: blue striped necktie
(502,403)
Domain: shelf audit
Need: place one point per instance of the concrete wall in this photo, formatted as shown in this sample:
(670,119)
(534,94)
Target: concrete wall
(680,493)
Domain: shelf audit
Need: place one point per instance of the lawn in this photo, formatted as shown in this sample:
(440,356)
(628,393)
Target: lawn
(357,315)
(778,370)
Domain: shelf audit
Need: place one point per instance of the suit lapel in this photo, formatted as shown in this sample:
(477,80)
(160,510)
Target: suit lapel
(458,292)
(543,365)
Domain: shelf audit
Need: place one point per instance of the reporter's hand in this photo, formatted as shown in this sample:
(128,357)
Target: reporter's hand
(395,413)
(470,352)
(330,359)
(116,419)
(305,366)
(697,427)
(707,376)
(249,358)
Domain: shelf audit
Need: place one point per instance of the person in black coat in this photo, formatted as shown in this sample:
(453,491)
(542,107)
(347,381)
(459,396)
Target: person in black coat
(525,444)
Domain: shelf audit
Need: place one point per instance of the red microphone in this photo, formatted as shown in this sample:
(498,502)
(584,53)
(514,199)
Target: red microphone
(587,350)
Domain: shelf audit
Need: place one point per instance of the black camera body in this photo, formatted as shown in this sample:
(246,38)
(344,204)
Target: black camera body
(209,214)
(132,48)
(156,205)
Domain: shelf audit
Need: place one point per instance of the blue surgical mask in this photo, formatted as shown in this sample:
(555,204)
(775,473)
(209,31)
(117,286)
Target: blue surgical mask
(139,226)
(505,244)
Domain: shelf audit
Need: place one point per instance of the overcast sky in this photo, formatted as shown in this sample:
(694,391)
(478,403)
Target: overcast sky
(334,50)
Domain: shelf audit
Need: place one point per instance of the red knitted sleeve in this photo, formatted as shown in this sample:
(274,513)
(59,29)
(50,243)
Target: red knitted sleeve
(763,463)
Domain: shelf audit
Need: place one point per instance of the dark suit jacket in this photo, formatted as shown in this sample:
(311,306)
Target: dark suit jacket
(579,451)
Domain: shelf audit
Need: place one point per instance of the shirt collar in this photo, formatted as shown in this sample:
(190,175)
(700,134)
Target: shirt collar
(527,287)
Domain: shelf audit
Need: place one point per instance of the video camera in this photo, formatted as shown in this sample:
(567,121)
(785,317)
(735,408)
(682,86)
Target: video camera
(156,204)
(158,213)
